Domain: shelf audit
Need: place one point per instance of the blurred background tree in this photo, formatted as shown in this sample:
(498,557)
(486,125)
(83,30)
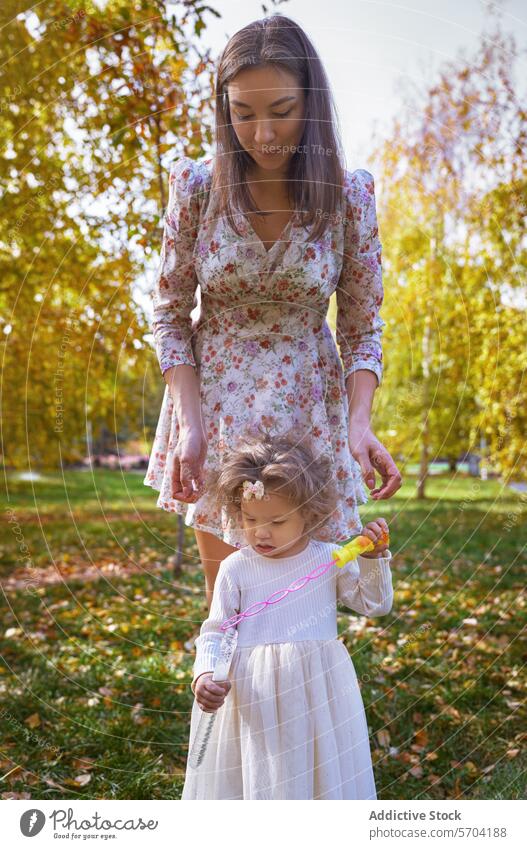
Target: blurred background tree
(95,104)
(452,217)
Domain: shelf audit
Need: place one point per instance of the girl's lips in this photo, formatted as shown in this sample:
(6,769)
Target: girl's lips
(265,547)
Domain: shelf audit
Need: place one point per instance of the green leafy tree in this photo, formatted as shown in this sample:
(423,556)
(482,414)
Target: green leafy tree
(95,102)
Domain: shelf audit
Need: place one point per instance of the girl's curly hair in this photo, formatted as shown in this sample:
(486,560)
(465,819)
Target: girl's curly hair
(286,465)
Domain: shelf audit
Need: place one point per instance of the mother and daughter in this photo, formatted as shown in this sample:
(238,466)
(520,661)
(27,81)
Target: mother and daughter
(269,229)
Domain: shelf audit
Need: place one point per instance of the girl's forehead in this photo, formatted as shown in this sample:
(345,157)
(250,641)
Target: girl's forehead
(270,506)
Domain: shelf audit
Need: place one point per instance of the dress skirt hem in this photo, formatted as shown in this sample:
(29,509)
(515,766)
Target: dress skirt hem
(293,726)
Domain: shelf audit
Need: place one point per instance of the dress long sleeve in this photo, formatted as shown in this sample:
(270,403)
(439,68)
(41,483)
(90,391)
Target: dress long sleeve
(225,603)
(360,289)
(365,585)
(175,283)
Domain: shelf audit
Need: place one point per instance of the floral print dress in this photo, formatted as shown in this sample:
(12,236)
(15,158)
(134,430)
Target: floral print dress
(261,345)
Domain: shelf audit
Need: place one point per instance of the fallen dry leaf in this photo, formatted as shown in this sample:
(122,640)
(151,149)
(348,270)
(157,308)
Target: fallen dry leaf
(383,736)
(83,779)
(416,771)
(16,795)
(421,737)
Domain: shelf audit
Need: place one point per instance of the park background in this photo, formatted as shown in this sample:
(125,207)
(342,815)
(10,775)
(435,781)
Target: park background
(102,592)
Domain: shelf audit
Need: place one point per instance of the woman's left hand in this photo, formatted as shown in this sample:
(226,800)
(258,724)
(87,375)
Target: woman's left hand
(371,455)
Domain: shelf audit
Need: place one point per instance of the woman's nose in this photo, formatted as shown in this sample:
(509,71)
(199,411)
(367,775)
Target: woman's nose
(264,134)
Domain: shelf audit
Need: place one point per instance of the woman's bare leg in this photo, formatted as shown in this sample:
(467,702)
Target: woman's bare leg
(212,551)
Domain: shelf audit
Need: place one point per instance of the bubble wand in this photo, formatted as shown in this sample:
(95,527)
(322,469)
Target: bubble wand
(206,720)
(349,551)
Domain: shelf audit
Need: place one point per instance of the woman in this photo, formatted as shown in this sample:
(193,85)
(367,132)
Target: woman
(269,229)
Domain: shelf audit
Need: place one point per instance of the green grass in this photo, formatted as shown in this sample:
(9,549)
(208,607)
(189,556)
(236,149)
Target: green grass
(94,674)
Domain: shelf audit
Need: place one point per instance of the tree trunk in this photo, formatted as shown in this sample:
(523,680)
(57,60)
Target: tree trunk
(425,436)
(423,470)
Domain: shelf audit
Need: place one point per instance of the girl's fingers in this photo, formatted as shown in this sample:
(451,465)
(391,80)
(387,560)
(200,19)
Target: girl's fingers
(214,700)
(376,528)
(213,687)
(210,705)
(375,532)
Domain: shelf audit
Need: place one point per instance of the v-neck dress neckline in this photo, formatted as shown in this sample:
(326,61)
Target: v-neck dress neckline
(290,224)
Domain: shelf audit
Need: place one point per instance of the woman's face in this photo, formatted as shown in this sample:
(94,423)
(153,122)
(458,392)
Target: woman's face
(267,114)
(273,526)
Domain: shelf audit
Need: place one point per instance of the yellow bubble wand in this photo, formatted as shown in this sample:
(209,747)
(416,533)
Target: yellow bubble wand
(349,551)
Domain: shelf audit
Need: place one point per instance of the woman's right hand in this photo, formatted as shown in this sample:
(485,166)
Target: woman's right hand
(189,457)
(210,694)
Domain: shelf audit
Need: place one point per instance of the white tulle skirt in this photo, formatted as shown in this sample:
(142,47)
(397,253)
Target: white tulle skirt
(293,726)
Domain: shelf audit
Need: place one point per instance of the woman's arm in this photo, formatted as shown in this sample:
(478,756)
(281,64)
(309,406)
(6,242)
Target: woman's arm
(360,291)
(360,388)
(360,296)
(174,297)
(191,449)
(183,385)
(176,282)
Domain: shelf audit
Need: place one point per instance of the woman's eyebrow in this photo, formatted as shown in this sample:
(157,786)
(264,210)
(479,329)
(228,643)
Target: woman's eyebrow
(274,103)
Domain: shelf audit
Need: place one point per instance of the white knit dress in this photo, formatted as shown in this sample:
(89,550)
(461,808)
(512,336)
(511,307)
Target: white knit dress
(293,725)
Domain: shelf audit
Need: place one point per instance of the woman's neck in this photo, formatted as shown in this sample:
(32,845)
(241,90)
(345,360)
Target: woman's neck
(264,176)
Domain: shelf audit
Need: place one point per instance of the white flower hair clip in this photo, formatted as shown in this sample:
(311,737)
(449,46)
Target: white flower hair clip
(253,490)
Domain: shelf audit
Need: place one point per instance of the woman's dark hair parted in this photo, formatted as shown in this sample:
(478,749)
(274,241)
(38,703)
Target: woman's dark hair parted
(316,170)
(286,465)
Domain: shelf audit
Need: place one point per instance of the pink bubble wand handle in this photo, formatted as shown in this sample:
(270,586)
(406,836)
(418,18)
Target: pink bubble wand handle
(343,555)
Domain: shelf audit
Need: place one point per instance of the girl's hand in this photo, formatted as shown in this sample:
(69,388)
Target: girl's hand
(210,694)
(371,455)
(375,531)
(189,457)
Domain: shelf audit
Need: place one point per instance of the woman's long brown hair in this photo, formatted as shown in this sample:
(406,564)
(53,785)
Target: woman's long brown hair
(315,177)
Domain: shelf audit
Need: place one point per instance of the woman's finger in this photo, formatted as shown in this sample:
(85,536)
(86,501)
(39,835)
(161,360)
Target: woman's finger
(391,477)
(186,477)
(176,471)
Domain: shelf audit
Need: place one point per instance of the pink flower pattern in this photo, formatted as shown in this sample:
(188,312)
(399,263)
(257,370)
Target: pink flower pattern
(261,343)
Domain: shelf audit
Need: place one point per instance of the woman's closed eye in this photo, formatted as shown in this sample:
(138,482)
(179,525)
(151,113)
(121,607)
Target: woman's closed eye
(275,115)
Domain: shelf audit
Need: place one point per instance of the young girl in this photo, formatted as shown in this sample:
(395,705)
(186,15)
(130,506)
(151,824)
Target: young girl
(291,721)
